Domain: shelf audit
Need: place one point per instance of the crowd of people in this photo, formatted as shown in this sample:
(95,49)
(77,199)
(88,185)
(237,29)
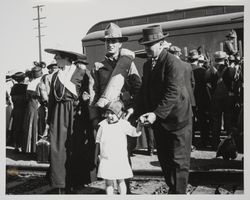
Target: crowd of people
(93,117)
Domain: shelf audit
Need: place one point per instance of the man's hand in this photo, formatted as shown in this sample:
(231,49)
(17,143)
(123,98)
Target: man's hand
(147,118)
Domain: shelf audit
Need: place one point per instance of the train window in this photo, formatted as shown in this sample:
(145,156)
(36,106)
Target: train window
(124,23)
(232,9)
(214,11)
(157,18)
(175,16)
(137,21)
(194,13)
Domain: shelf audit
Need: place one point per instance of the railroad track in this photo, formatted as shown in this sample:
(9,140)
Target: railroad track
(26,181)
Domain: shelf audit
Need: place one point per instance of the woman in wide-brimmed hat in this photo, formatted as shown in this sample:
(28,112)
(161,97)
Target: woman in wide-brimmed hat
(67,120)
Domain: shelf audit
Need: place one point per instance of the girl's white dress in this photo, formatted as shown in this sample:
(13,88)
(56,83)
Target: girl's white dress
(114,162)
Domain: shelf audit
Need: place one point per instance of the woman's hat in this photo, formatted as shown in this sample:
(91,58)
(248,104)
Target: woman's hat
(39,64)
(19,76)
(116,107)
(73,55)
(36,72)
(152,34)
(112,31)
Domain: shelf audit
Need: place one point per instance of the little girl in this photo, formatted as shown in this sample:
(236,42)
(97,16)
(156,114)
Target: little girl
(112,141)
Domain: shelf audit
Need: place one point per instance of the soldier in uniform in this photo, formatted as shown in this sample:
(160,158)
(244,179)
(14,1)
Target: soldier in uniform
(102,74)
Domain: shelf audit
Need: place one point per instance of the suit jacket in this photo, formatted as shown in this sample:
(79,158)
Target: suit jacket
(201,92)
(189,82)
(163,92)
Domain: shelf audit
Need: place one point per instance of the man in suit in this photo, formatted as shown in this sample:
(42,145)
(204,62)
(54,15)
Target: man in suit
(167,109)
(190,85)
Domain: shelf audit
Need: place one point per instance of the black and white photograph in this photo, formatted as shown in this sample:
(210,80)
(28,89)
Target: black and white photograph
(124,99)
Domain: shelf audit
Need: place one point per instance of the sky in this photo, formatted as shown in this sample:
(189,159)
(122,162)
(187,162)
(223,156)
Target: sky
(67,22)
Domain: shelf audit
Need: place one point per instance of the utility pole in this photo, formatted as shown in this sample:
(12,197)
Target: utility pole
(39,29)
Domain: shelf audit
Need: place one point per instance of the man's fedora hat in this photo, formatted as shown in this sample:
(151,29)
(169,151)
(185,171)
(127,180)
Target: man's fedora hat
(193,54)
(174,49)
(152,34)
(112,31)
(73,55)
(231,57)
(220,55)
(231,34)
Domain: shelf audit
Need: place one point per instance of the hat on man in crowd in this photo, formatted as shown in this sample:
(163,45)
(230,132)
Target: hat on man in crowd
(36,72)
(112,31)
(202,59)
(220,57)
(19,76)
(231,34)
(116,107)
(193,55)
(174,49)
(70,54)
(231,58)
(152,34)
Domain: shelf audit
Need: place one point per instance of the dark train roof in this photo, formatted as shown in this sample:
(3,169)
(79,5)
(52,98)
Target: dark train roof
(169,16)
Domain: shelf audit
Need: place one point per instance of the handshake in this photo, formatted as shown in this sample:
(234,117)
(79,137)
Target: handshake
(147,119)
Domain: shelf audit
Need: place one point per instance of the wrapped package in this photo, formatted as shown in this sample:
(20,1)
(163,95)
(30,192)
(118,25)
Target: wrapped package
(117,79)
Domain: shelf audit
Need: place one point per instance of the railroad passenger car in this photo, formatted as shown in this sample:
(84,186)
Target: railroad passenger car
(188,29)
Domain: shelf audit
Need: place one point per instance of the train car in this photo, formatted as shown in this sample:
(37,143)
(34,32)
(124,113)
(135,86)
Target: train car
(204,27)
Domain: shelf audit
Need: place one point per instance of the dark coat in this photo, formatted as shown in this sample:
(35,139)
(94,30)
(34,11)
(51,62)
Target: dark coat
(201,92)
(163,92)
(190,82)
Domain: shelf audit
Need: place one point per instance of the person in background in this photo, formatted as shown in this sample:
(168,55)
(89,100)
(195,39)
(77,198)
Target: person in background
(220,77)
(111,137)
(202,98)
(168,108)
(229,47)
(9,82)
(18,96)
(102,73)
(30,126)
(189,82)
(69,154)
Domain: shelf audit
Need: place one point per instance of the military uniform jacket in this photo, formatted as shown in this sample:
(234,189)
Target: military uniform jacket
(101,75)
(163,92)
